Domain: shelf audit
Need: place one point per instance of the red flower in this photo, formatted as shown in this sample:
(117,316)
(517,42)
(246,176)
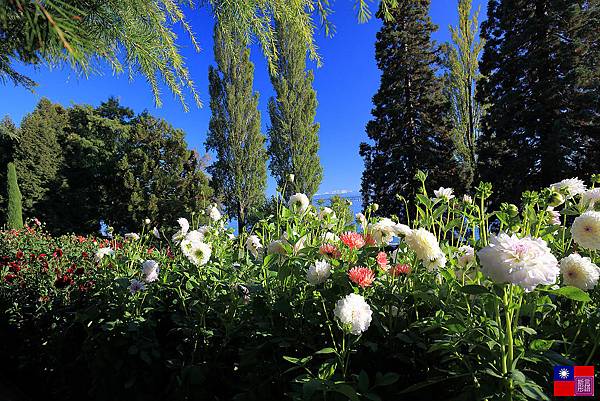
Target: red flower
(79,271)
(369,240)
(400,269)
(63,281)
(58,253)
(84,254)
(382,260)
(42,256)
(353,240)
(361,276)
(330,251)
(19,255)
(10,277)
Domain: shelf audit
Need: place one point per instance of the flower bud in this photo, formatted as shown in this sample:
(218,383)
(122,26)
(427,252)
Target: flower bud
(512,210)
(556,199)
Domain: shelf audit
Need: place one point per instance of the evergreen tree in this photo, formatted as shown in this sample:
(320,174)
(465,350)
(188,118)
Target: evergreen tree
(410,129)
(239,171)
(466,111)
(15,211)
(38,157)
(293,135)
(542,84)
(9,134)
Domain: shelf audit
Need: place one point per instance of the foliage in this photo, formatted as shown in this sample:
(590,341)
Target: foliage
(15,209)
(542,85)
(410,125)
(239,173)
(250,325)
(466,111)
(293,134)
(8,139)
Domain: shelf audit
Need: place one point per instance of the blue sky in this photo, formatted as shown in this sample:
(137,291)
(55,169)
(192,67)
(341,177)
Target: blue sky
(345,85)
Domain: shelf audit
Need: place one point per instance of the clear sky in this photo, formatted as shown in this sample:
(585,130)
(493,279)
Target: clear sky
(345,85)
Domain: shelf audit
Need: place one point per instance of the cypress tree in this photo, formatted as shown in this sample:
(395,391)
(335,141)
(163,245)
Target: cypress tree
(411,125)
(239,173)
(15,210)
(293,135)
(9,134)
(466,111)
(541,82)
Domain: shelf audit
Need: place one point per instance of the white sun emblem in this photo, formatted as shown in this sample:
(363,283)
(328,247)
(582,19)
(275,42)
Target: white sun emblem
(563,373)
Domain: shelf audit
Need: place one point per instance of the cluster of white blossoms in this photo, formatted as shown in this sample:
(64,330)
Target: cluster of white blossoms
(102,252)
(150,271)
(579,271)
(465,255)
(318,272)
(253,245)
(526,262)
(299,202)
(570,187)
(586,230)
(353,313)
(444,193)
(590,197)
(192,243)
(384,230)
(427,248)
(132,236)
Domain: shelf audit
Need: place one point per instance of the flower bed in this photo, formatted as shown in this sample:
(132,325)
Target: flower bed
(455,302)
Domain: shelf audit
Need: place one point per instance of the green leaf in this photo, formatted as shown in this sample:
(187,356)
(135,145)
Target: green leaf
(363,381)
(474,289)
(386,379)
(346,390)
(573,293)
(327,350)
(541,345)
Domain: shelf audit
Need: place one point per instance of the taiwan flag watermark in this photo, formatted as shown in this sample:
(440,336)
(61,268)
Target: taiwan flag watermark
(573,381)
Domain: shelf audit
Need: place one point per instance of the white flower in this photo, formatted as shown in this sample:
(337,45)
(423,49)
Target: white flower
(590,197)
(136,285)
(426,247)
(403,229)
(467,199)
(195,235)
(184,224)
(102,252)
(253,245)
(146,221)
(291,177)
(362,220)
(554,216)
(353,313)
(150,270)
(444,193)
(466,255)
(383,231)
(156,233)
(579,272)
(526,262)
(214,213)
(231,236)
(586,230)
(318,272)
(299,202)
(570,186)
(276,247)
(133,236)
(326,212)
(196,251)
(330,237)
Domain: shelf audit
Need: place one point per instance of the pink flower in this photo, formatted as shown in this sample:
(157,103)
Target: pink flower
(361,276)
(353,240)
(399,270)
(330,251)
(382,260)
(369,240)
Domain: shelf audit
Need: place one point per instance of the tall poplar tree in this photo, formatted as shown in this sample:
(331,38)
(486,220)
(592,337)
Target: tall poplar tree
(542,84)
(239,173)
(293,135)
(463,65)
(411,125)
(15,210)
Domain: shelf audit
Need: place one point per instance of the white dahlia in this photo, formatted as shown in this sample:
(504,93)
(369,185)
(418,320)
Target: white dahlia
(526,262)
(426,247)
(554,216)
(590,197)
(150,270)
(184,226)
(299,202)
(213,213)
(330,237)
(253,245)
(353,313)
(444,193)
(318,272)
(276,248)
(383,231)
(196,251)
(467,199)
(466,255)
(570,187)
(586,230)
(102,252)
(326,212)
(579,272)
(132,236)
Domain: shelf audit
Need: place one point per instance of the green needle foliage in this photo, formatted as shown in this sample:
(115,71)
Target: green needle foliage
(239,173)
(466,111)
(15,211)
(293,135)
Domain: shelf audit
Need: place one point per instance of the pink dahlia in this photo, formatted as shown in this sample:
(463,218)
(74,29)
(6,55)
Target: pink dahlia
(361,276)
(353,240)
(400,269)
(330,251)
(382,260)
